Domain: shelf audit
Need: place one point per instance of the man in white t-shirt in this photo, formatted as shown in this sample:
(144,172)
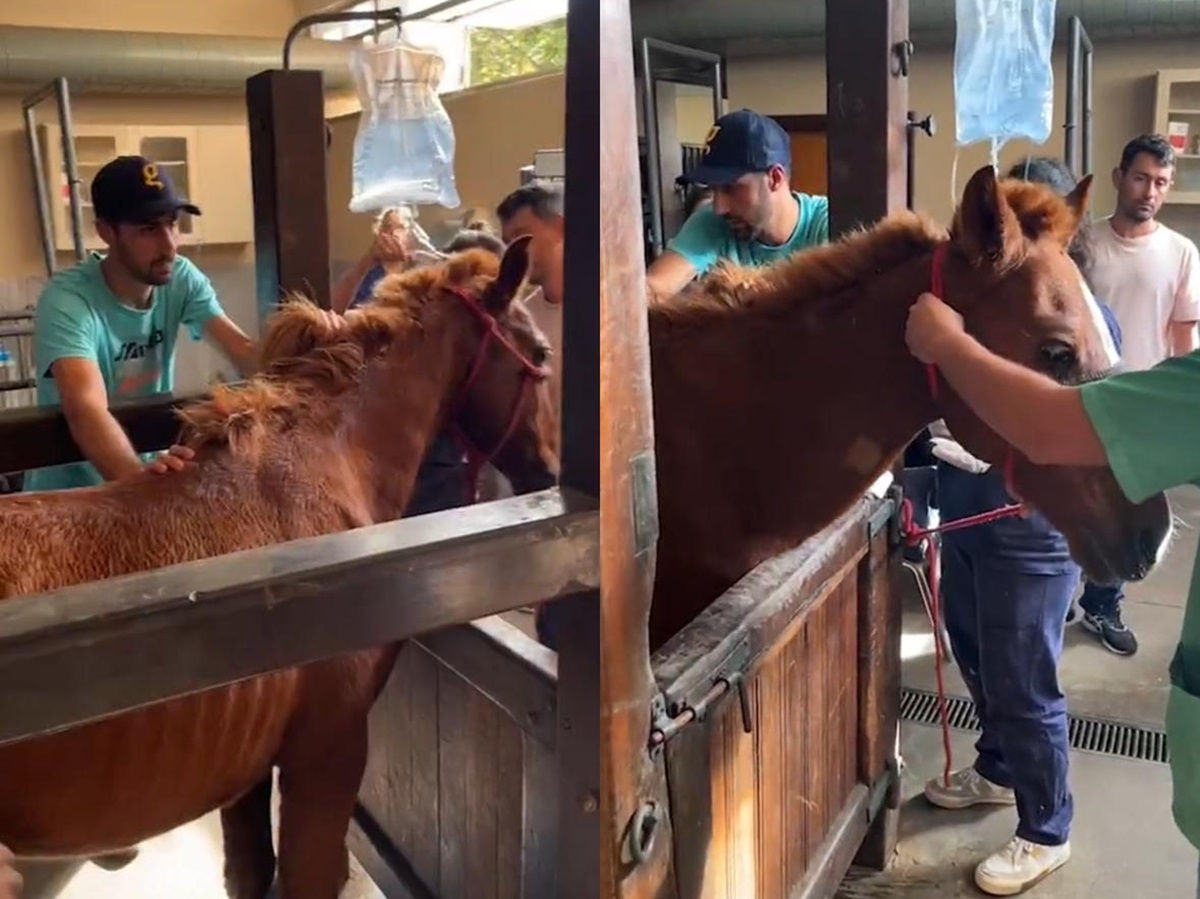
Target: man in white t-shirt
(1149,275)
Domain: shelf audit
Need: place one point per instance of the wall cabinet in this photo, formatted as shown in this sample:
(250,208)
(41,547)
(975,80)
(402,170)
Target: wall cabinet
(209,165)
(1177,116)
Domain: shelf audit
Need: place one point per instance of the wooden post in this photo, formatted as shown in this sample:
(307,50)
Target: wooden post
(633,781)
(866,61)
(576,619)
(866,109)
(286,114)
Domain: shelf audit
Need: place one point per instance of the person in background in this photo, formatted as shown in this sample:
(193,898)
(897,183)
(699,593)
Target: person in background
(106,329)
(474,238)
(1150,275)
(537,210)
(1007,586)
(754,217)
(389,252)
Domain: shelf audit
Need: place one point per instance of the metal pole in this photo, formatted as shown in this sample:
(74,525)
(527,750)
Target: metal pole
(910,176)
(375,15)
(1070,157)
(718,90)
(395,15)
(650,130)
(68,142)
(41,195)
(1087,98)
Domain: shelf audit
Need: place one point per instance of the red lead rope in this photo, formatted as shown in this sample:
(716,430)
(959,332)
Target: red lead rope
(914,535)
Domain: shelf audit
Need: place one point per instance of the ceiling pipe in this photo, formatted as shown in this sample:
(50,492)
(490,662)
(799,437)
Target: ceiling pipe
(123,60)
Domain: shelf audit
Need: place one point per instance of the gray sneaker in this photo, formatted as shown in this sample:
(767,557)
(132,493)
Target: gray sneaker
(1112,631)
(967,787)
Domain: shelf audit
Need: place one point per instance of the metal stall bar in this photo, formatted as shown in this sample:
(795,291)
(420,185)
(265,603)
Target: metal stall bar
(57,88)
(1078,127)
(97,649)
(395,15)
(650,122)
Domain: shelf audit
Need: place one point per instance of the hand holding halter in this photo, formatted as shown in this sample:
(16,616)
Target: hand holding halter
(914,535)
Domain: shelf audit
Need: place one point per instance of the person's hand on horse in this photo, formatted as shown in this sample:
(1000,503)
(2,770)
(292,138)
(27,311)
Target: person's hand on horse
(177,458)
(10,878)
(932,325)
(389,245)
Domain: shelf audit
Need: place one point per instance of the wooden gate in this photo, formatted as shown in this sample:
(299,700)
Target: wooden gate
(792,676)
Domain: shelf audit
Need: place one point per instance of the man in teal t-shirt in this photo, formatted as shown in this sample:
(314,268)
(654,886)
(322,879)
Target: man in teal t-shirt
(755,218)
(106,329)
(1144,424)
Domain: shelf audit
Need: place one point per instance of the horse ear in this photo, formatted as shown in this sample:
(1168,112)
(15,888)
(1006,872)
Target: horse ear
(1077,200)
(514,268)
(985,227)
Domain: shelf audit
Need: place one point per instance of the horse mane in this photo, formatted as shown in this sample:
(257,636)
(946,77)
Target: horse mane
(307,357)
(826,271)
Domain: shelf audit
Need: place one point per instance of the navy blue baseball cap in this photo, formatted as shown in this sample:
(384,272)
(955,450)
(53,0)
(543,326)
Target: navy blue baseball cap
(739,143)
(135,190)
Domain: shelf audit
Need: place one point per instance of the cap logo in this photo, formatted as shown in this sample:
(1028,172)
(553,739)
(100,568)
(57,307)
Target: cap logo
(150,176)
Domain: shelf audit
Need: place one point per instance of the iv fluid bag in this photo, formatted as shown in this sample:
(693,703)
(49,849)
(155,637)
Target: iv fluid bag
(404,148)
(1003,80)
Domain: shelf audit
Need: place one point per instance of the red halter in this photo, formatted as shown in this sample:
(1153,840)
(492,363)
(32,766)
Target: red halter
(915,536)
(938,289)
(530,375)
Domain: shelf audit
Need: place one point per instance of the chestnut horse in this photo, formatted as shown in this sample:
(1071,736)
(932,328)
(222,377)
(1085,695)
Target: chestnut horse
(782,393)
(327,438)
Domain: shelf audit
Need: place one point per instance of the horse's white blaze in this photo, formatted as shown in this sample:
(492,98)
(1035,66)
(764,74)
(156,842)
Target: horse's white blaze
(1106,341)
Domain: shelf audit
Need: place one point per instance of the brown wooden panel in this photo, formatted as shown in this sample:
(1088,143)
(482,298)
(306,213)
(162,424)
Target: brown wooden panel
(457,788)
(770,721)
(797,840)
(817,766)
(484,799)
(754,813)
(507,762)
(879,626)
(400,785)
(867,106)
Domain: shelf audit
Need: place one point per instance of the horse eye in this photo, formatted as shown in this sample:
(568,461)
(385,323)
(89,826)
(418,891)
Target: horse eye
(540,355)
(1059,359)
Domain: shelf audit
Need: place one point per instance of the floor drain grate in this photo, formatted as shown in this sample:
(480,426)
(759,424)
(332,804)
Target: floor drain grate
(1097,735)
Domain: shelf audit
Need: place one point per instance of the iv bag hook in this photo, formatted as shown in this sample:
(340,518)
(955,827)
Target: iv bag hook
(394,15)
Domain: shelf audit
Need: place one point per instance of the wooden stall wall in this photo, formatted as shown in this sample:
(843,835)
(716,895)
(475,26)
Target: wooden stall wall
(461,791)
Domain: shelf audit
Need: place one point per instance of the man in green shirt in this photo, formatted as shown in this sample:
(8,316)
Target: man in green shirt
(1144,424)
(755,218)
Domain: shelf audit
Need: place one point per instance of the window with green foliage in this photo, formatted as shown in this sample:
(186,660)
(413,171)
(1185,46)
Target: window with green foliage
(500,53)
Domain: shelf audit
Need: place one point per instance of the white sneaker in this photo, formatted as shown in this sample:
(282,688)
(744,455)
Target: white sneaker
(967,787)
(1018,866)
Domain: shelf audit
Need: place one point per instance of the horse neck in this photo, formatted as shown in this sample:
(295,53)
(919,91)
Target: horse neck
(786,417)
(403,404)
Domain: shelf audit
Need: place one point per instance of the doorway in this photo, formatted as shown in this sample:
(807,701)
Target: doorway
(810,156)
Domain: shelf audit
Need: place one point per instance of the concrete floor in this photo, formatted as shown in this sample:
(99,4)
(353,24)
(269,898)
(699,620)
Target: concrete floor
(1124,842)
